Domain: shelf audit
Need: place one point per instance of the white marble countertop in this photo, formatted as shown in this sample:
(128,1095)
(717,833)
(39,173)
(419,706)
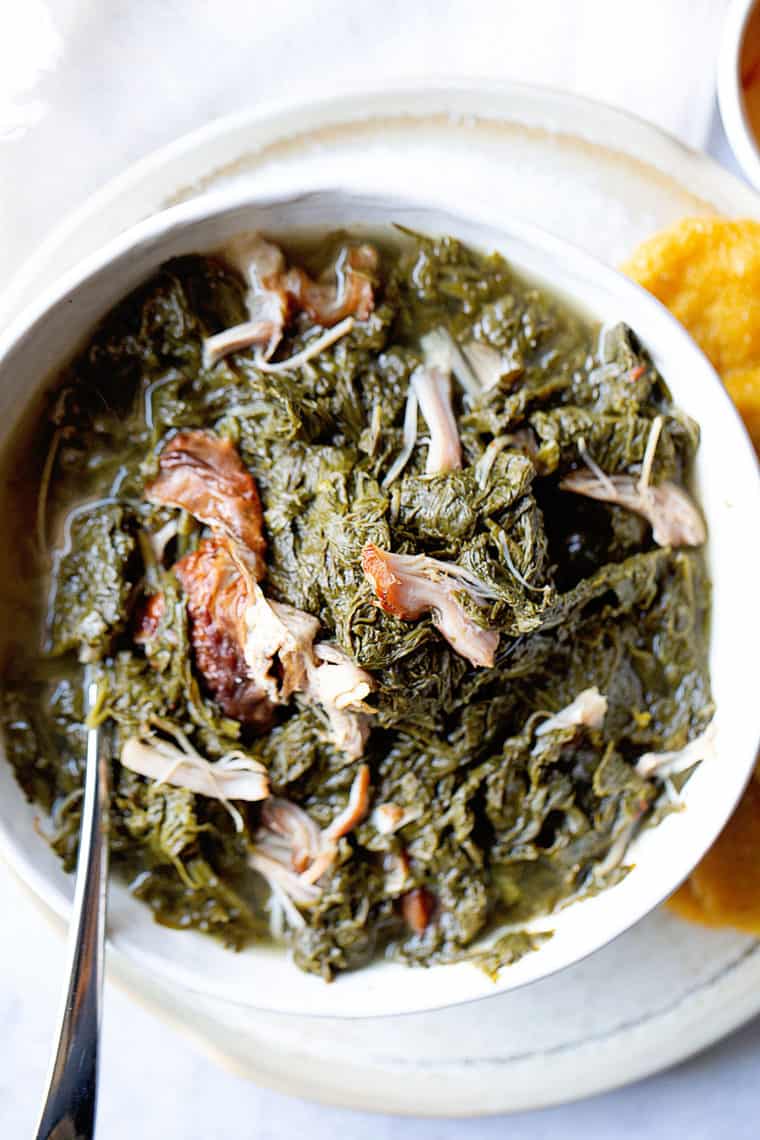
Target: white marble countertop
(154,1084)
(86,88)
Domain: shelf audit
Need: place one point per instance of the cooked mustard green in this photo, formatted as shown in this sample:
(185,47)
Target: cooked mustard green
(476,505)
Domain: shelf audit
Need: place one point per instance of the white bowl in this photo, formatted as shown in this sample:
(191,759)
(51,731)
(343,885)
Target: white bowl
(730,94)
(729,489)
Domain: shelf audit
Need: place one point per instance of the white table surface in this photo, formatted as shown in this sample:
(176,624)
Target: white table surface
(86,88)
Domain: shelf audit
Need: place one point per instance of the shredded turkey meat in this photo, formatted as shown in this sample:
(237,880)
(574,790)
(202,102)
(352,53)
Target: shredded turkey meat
(589,708)
(264,332)
(441,351)
(340,686)
(262,266)
(255,653)
(280,653)
(673,517)
(203,474)
(409,586)
(396,871)
(217,598)
(275,293)
(489,365)
(390,817)
(232,777)
(432,386)
(277,644)
(288,831)
(667,764)
(292,851)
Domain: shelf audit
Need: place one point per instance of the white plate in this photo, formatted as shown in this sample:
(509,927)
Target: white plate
(664,989)
(263,977)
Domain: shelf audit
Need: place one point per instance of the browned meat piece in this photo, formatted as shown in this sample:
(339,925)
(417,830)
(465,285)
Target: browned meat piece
(148,618)
(217,596)
(417,909)
(255,653)
(409,586)
(204,475)
(344,291)
(356,808)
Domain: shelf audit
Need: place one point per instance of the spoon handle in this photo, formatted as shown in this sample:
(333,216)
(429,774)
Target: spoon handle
(69,1110)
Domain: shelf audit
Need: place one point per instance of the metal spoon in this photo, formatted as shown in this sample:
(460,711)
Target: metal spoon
(69,1110)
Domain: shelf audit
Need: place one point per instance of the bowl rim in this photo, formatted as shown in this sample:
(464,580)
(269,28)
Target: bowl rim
(184,217)
(741,137)
(362,99)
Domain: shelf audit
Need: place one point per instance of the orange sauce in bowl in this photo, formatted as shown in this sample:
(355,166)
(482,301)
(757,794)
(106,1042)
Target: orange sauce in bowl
(707,272)
(724,890)
(749,71)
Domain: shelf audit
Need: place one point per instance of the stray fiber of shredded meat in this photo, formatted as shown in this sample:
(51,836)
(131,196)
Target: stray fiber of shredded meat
(388,569)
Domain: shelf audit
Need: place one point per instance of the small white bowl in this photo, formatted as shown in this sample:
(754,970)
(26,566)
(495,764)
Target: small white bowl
(733,109)
(727,479)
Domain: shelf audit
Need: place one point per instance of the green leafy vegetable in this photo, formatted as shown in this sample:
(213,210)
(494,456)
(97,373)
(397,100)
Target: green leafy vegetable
(492,820)
(93,606)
